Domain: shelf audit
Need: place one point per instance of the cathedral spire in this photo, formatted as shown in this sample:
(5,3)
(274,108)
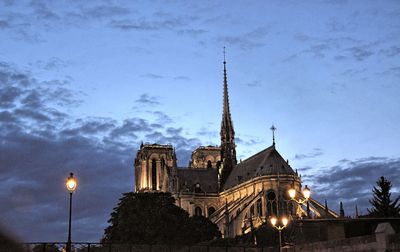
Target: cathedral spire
(228,151)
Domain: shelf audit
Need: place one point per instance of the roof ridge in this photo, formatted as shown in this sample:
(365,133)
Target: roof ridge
(257,154)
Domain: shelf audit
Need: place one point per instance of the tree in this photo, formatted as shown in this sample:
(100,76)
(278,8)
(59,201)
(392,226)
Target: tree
(153,218)
(45,247)
(382,205)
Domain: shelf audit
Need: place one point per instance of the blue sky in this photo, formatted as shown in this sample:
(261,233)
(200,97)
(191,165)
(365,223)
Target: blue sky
(83,83)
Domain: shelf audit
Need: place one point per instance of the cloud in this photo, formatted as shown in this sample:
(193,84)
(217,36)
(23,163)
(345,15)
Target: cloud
(248,40)
(206,132)
(143,24)
(161,117)
(104,11)
(253,84)
(315,153)
(391,51)
(182,78)
(146,99)
(352,181)
(41,11)
(394,71)
(53,63)
(4,24)
(40,144)
(361,53)
(151,76)
(192,32)
(248,142)
(8,96)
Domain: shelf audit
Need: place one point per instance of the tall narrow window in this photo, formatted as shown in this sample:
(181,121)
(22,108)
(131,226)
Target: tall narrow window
(154,174)
(259,208)
(271,203)
(252,210)
(198,212)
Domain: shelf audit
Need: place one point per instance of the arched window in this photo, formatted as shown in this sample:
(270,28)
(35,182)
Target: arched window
(211,210)
(259,208)
(209,164)
(252,210)
(271,203)
(154,174)
(198,212)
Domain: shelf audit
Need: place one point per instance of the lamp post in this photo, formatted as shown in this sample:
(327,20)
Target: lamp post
(284,221)
(71,186)
(306,194)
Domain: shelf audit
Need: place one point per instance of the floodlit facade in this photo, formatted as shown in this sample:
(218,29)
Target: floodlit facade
(237,196)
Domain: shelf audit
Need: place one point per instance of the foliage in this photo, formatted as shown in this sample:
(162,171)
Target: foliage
(45,247)
(153,218)
(382,205)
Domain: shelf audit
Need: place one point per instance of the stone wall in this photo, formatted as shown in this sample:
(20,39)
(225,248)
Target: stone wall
(383,240)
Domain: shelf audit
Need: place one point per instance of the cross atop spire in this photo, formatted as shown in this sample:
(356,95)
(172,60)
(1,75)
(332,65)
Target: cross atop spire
(273,128)
(224,56)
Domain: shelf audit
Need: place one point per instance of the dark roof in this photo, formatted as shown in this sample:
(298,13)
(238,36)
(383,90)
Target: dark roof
(206,178)
(266,162)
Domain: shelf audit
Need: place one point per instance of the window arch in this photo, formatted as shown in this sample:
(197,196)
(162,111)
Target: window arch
(259,208)
(271,203)
(154,174)
(198,211)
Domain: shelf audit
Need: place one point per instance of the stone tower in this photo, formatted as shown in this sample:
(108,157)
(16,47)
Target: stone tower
(155,168)
(228,148)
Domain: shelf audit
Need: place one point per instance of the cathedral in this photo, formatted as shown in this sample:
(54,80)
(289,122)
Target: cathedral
(236,196)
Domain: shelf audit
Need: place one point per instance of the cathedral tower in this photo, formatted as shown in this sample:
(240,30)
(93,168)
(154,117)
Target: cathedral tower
(228,151)
(155,168)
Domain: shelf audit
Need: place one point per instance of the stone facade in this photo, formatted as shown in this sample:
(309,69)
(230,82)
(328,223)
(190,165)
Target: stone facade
(235,196)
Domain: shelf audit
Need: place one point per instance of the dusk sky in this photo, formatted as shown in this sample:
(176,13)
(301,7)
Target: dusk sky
(82,83)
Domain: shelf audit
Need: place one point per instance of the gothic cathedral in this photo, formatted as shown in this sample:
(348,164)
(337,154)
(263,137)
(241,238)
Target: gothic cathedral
(235,196)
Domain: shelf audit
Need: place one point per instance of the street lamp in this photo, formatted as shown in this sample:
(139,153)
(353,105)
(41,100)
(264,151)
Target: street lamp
(306,194)
(284,221)
(71,186)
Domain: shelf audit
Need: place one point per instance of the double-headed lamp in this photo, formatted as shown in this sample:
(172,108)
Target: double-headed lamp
(292,193)
(306,192)
(273,221)
(71,183)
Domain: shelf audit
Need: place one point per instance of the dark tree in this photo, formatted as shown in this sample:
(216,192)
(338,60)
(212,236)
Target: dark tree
(382,205)
(45,247)
(153,218)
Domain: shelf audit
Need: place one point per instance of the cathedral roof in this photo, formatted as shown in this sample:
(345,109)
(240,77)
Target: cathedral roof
(207,180)
(266,162)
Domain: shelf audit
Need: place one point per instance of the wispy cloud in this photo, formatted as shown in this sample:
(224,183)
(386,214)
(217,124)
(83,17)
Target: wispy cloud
(152,76)
(248,40)
(352,181)
(147,99)
(315,153)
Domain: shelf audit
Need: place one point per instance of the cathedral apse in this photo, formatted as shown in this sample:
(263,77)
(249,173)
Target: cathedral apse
(237,196)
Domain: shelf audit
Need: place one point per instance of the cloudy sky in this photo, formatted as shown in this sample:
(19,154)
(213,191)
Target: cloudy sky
(83,83)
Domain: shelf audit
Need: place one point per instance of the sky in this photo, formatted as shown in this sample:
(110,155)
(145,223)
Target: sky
(83,83)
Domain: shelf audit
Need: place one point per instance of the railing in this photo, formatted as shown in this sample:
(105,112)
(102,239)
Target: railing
(113,247)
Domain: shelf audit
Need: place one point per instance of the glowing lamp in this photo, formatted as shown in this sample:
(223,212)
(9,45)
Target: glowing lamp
(71,183)
(306,192)
(273,221)
(292,193)
(285,221)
